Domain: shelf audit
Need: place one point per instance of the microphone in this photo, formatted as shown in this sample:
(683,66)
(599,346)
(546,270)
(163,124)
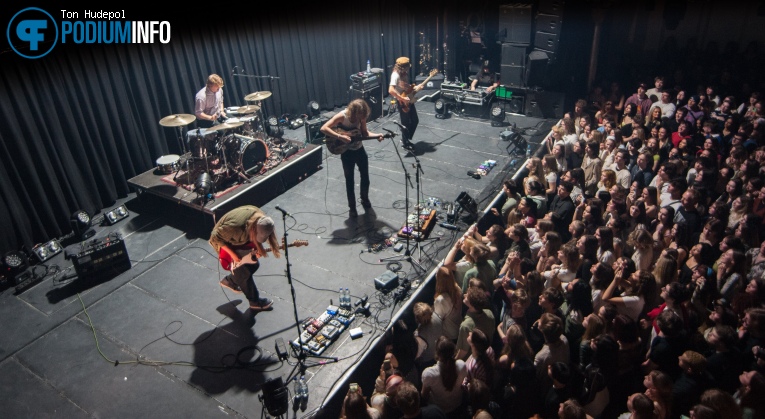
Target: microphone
(283,211)
(403,128)
(392,134)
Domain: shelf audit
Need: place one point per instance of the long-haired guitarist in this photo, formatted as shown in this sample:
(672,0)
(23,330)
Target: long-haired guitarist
(353,118)
(401,88)
(243,230)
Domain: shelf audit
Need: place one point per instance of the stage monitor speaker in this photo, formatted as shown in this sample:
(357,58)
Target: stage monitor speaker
(515,23)
(550,7)
(536,68)
(542,104)
(373,99)
(433,84)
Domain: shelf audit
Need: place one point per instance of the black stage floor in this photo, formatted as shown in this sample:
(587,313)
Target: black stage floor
(163,339)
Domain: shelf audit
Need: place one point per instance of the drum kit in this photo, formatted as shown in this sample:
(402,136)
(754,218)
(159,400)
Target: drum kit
(236,148)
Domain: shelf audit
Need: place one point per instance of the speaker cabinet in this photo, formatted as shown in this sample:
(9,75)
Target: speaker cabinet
(515,23)
(546,41)
(548,23)
(313,134)
(550,7)
(373,99)
(536,69)
(542,104)
(511,75)
(513,64)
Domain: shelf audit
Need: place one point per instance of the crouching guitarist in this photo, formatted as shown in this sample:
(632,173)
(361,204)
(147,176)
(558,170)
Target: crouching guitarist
(242,231)
(353,118)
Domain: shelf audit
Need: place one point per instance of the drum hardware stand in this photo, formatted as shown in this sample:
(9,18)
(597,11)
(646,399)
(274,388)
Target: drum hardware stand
(407,184)
(270,85)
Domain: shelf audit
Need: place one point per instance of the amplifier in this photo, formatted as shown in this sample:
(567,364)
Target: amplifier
(365,81)
(313,134)
(103,258)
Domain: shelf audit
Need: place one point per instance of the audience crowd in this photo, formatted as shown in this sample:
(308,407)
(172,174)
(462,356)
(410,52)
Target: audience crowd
(624,277)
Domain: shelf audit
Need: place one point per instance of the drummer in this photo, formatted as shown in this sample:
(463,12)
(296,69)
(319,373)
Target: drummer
(208,102)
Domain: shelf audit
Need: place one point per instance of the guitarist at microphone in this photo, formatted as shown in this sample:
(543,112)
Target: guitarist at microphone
(353,118)
(243,231)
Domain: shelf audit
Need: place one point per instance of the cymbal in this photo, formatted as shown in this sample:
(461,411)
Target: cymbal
(248,109)
(178,120)
(225,126)
(257,96)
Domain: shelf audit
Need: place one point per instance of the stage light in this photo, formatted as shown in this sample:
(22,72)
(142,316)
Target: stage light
(497,116)
(117,214)
(46,251)
(442,108)
(275,396)
(274,129)
(80,222)
(14,262)
(313,109)
(203,186)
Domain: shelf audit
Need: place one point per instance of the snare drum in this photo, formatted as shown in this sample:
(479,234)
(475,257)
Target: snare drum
(169,163)
(247,153)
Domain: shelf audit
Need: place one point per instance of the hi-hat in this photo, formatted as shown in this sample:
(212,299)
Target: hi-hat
(257,96)
(248,109)
(177,120)
(225,126)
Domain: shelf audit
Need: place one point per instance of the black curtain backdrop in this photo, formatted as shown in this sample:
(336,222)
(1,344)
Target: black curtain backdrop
(81,121)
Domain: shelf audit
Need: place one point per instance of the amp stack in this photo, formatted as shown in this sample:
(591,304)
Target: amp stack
(368,86)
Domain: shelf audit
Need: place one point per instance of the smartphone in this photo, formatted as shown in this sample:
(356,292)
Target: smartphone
(386,364)
(354,388)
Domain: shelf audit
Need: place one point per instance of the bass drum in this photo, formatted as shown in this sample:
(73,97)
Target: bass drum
(246,153)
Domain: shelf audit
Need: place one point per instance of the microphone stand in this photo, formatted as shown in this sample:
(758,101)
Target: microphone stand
(270,86)
(300,368)
(407,184)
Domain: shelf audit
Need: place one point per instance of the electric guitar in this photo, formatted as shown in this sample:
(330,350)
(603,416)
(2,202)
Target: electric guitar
(338,146)
(229,260)
(412,90)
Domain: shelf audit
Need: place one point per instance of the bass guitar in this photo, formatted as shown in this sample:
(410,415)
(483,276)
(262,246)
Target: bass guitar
(338,146)
(412,90)
(229,260)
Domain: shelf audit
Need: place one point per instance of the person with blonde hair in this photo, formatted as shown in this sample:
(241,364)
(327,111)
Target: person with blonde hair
(208,102)
(642,242)
(240,232)
(448,302)
(353,122)
(607,180)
